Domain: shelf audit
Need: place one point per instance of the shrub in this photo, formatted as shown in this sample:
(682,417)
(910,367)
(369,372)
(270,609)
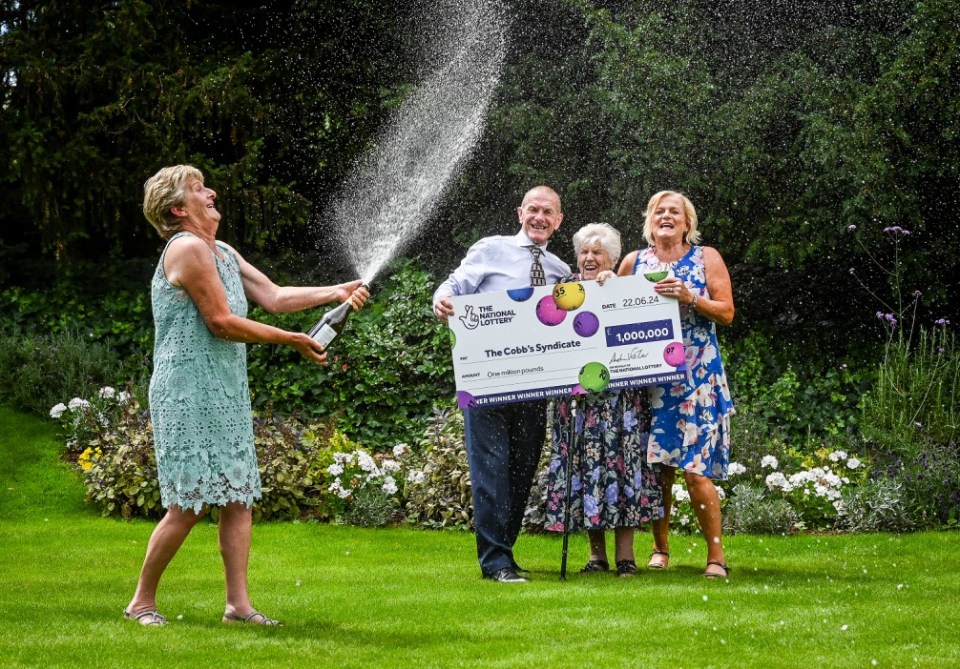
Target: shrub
(290,459)
(535,513)
(751,510)
(910,423)
(876,506)
(35,367)
(362,487)
(816,399)
(111,439)
(384,374)
(439,493)
(116,455)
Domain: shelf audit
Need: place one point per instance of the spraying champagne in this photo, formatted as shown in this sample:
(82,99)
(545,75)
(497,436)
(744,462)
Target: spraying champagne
(331,325)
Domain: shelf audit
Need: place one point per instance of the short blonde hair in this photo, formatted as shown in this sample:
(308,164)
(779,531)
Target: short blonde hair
(692,236)
(163,191)
(606,234)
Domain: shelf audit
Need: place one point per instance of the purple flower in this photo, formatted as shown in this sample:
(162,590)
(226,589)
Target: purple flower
(896,230)
(851,228)
(917,294)
(853,271)
(590,507)
(889,318)
(942,321)
(612,492)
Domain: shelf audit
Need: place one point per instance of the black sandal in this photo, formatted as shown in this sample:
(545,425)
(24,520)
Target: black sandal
(626,568)
(723,566)
(595,566)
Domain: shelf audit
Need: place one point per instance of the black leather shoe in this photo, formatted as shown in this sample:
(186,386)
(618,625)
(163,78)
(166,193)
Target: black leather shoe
(507,575)
(520,570)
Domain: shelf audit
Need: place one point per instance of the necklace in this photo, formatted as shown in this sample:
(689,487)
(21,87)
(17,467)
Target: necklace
(670,256)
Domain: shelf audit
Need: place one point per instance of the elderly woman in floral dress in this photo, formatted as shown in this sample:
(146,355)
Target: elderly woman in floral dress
(690,428)
(604,452)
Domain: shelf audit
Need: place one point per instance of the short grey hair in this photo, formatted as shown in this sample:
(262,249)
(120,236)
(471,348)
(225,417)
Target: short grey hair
(163,191)
(604,233)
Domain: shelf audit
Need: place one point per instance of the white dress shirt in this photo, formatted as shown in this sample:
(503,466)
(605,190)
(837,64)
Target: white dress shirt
(499,263)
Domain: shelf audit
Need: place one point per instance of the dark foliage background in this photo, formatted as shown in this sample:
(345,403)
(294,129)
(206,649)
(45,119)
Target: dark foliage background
(786,122)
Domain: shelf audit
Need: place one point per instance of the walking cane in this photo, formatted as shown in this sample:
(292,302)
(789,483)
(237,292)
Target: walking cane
(571,442)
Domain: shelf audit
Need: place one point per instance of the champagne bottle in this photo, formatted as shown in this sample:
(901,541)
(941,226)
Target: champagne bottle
(331,324)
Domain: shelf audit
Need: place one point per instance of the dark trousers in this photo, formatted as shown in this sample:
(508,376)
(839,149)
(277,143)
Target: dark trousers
(503,448)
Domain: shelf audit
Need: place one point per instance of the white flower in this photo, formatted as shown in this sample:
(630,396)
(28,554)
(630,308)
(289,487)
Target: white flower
(769,461)
(107,393)
(399,450)
(390,466)
(853,463)
(837,456)
(389,485)
(124,397)
(735,468)
(778,480)
(367,463)
(416,476)
(335,469)
(58,410)
(77,403)
(680,493)
(720,493)
(337,488)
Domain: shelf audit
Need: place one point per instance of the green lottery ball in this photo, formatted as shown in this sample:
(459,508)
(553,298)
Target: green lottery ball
(594,377)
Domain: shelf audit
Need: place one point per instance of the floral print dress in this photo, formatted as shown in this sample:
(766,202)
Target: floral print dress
(690,427)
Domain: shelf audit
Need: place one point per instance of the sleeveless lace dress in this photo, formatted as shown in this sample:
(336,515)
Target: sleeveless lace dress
(199,399)
(690,428)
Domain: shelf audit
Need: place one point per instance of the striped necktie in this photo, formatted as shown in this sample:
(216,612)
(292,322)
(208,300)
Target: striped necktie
(537,277)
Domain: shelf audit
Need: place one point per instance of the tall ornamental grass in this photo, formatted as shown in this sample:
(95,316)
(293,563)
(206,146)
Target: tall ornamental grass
(910,422)
(915,399)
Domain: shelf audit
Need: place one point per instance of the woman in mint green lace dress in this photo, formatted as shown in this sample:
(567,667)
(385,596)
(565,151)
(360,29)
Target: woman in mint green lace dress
(199,400)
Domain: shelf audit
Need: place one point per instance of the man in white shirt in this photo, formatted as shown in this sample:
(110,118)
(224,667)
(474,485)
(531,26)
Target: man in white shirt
(504,441)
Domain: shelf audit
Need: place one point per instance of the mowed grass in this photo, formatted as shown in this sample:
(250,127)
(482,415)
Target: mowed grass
(352,597)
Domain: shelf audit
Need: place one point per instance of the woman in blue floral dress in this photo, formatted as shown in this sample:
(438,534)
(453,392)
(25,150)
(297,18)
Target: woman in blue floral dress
(612,487)
(690,428)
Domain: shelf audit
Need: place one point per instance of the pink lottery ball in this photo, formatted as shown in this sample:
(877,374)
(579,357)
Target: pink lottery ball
(673,354)
(548,312)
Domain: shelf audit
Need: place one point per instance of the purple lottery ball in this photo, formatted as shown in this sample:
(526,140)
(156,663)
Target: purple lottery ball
(465,399)
(548,312)
(586,324)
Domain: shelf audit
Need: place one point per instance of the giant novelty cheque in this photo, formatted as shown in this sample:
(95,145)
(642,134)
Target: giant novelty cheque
(571,338)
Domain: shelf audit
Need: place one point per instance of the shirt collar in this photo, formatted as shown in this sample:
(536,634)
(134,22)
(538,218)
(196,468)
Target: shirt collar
(522,240)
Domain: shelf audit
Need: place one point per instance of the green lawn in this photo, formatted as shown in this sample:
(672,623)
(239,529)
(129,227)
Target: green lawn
(405,598)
